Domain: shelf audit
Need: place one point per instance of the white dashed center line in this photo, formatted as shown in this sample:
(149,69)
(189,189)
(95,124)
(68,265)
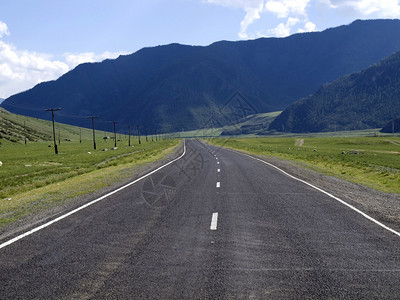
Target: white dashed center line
(214,221)
(219,170)
(218,184)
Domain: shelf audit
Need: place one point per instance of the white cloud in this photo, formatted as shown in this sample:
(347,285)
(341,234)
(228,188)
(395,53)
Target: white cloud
(283,29)
(300,10)
(3,29)
(252,14)
(369,8)
(22,69)
(289,9)
(253,8)
(295,11)
(308,27)
(237,3)
(286,8)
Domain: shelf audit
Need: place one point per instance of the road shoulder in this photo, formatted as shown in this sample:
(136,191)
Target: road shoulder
(384,207)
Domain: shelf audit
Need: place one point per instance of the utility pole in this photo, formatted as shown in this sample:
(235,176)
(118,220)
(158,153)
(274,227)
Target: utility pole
(54,130)
(129,134)
(94,135)
(25,132)
(138,133)
(145,131)
(115,135)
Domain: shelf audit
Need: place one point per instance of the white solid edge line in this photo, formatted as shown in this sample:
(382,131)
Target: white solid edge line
(214,221)
(90,203)
(326,193)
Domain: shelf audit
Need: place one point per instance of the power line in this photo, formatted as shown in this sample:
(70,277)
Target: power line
(27,107)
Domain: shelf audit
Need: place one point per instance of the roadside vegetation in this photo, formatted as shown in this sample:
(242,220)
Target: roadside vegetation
(34,178)
(371,161)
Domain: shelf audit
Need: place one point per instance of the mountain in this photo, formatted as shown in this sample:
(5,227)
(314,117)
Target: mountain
(1,100)
(177,87)
(363,100)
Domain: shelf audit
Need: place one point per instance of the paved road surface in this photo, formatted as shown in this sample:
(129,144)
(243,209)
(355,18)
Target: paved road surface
(214,225)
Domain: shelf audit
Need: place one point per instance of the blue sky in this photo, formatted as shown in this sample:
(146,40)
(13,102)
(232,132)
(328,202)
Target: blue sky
(41,40)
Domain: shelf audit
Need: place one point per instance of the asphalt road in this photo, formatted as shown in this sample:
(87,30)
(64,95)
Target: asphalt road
(213,225)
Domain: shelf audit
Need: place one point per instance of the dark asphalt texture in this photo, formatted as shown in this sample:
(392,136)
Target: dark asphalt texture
(276,238)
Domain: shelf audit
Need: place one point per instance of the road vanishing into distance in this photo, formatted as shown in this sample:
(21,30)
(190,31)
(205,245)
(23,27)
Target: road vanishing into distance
(214,224)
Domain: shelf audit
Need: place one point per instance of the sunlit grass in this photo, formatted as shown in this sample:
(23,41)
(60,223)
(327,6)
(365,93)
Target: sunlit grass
(372,161)
(33,178)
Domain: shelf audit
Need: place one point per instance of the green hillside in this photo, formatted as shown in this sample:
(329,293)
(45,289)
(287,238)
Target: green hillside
(256,124)
(15,128)
(33,178)
(363,100)
(253,124)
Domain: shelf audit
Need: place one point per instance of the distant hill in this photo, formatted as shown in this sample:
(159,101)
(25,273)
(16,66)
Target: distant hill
(16,128)
(177,87)
(1,100)
(252,124)
(363,100)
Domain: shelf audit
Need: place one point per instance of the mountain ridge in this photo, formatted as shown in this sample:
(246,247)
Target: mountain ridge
(364,100)
(176,87)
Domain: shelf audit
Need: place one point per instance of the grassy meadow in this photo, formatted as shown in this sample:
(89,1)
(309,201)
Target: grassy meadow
(33,177)
(371,161)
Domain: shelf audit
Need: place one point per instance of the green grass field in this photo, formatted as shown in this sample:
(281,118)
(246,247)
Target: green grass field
(371,161)
(33,177)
